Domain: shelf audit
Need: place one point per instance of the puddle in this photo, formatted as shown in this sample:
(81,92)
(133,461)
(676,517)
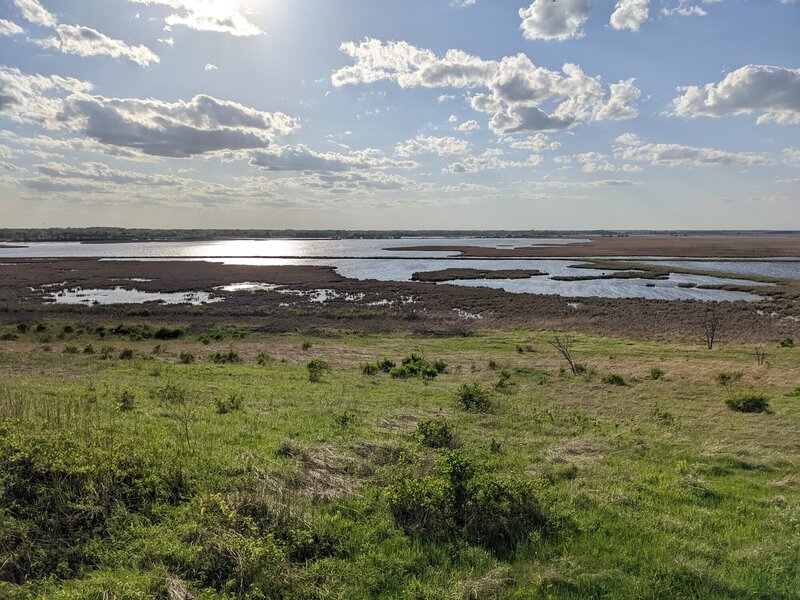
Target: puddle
(120,295)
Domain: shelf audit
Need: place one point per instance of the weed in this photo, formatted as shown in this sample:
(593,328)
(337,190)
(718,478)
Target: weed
(126,354)
(748,403)
(228,405)
(186,358)
(728,377)
(435,433)
(473,398)
(614,379)
(125,400)
(316,368)
(306,345)
(70,350)
(263,359)
(656,373)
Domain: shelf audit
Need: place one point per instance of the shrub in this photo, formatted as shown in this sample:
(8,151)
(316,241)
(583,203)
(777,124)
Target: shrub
(656,373)
(68,329)
(614,379)
(168,333)
(229,357)
(386,365)
(263,359)
(504,384)
(306,346)
(88,349)
(787,343)
(416,366)
(748,403)
(107,352)
(316,368)
(126,354)
(473,398)
(125,400)
(493,366)
(343,420)
(186,358)
(436,433)
(70,350)
(369,369)
(230,404)
(22,327)
(728,377)
(494,512)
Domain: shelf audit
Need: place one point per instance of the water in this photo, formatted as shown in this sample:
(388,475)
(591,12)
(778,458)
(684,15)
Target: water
(371,259)
(120,295)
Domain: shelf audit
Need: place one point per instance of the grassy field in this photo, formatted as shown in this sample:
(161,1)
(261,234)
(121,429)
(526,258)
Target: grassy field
(133,467)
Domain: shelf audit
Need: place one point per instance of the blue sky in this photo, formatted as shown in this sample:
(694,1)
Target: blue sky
(573,114)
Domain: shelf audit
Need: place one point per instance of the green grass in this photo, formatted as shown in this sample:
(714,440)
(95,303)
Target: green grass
(301,489)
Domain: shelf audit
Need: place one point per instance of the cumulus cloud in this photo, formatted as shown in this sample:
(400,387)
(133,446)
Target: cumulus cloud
(9,28)
(535,143)
(207,15)
(80,40)
(33,12)
(491,160)
(302,158)
(172,129)
(770,91)
(685,8)
(210,67)
(675,155)
(441,146)
(516,89)
(549,20)
(630,14)
(470,125)
(85,41)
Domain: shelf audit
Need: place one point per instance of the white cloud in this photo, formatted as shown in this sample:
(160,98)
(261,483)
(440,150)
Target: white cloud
(791,156)
(9,28)
(210,67)
(516,88)
(222,16)
(630,14)
(471,125)
(81,40)
(441,146)
(85,41)
(33,12)
(168,41)
(302,158)
(551,20)
(676,155)
(772,91)
(535,143)
(491,160)
(150,126)
(684,8)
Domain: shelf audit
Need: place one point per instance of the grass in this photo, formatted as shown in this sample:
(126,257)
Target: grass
(246,480)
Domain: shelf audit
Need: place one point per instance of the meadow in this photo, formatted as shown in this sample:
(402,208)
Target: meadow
(144,462)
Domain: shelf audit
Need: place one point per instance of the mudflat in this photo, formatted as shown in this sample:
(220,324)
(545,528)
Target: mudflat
(685,246)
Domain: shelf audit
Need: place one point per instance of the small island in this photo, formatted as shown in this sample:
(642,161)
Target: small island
(455,274)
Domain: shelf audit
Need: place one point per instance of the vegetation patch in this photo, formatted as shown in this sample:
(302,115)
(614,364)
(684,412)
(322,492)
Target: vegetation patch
(748,403)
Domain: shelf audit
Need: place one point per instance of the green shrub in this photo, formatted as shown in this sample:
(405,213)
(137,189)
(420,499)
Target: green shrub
(22,327)
(125,400)
(68,329)
(728,377)
(70,350)
(316,369)
(344,419)
(263,359)
(126,354)
(416,366)
(748,403)
(504,384)
(168,333)
(656,373)
(465,500)
(369,369)
(435,433)
(186,358)
(473,398)
(88,349)
(228,405)
(223,358)
(107,352)
(386,365)
(306,345)
(614,379)
(787,343)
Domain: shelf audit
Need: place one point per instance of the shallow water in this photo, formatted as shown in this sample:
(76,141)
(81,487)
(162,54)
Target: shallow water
(119,295)
(775,268)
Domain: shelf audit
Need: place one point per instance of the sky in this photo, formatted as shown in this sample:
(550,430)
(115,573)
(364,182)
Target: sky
(420,114)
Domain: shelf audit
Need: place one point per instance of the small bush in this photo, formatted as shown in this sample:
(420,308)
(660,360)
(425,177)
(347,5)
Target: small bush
(369,369)
(88,349)
(126,354)
(223,358)
(386,365)
(787,343)
(168,333)
(22,327)
(436,433)
(416,366)
(70,350)
(186,358)
(68,329)
(125,400)
(656,373)
(504,384)
(493,366)
(228,405)
(614,379)
(748,403)
(316,368)
(263,359)
(306,346)
(473,398)
(343,420)
(728,377)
